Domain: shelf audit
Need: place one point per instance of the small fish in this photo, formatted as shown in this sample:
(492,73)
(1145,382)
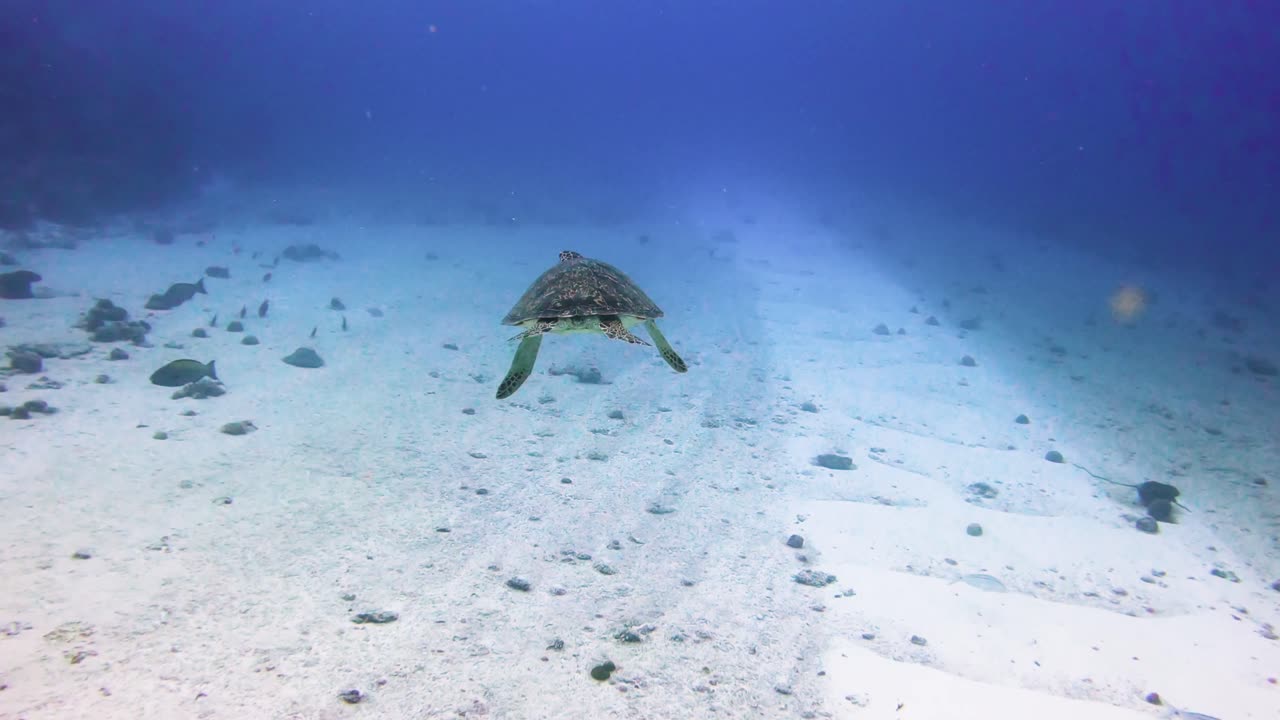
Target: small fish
(982,581)
(244,310)
(182,372)
(256,254)
(266,278)
(262,309)
(214,321)
(313,330)
(344,323)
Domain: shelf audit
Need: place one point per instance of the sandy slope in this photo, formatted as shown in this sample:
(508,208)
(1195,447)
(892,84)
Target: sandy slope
(193,608)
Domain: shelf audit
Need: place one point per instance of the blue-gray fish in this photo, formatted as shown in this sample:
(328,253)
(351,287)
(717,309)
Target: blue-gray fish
(177,294)
(182,372)
(982,581)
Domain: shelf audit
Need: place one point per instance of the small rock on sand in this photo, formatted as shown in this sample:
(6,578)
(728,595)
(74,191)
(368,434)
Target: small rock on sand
(379,617)
(25,362)
(814,578)
(240,427)
(304,357)
(832,461)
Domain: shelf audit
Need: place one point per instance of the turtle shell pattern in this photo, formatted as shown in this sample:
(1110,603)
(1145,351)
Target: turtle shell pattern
(577,287)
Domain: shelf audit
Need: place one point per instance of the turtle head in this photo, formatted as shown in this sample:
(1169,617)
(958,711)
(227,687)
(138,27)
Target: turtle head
(567,255)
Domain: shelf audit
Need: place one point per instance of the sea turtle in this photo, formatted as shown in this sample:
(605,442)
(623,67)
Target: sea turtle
(580,295)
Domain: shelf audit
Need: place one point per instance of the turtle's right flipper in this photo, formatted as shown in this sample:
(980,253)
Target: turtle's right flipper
(664,347)
(521,366)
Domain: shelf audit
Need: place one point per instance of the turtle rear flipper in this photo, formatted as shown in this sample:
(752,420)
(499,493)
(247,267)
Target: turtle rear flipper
(521,366)
(664,347)
(613,329)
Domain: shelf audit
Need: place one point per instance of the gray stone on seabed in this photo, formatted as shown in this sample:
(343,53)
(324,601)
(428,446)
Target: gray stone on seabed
(62,350)
(24,361)
(832,461)
(814,578)
(240,427)
(380,617)
(39,406)
(134,331)
(304,357)
(25,410)
(203,388)
(983,490)
(795,541)
(44,382)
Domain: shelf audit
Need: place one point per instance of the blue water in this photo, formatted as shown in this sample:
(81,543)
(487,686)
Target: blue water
(1153,126)
(876,230)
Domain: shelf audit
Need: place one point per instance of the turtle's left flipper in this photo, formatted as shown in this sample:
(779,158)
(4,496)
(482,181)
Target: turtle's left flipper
(538,328)
(615,330)
(521,366)
(664,347)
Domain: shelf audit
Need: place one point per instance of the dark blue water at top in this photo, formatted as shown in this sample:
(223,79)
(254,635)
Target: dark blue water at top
(1154,126)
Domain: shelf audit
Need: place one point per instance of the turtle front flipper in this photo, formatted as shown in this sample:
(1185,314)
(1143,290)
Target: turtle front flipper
(664,347)
(521,366)
(537,328)
(612,327)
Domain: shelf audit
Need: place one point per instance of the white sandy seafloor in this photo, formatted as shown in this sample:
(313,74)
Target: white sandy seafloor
(369,486)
